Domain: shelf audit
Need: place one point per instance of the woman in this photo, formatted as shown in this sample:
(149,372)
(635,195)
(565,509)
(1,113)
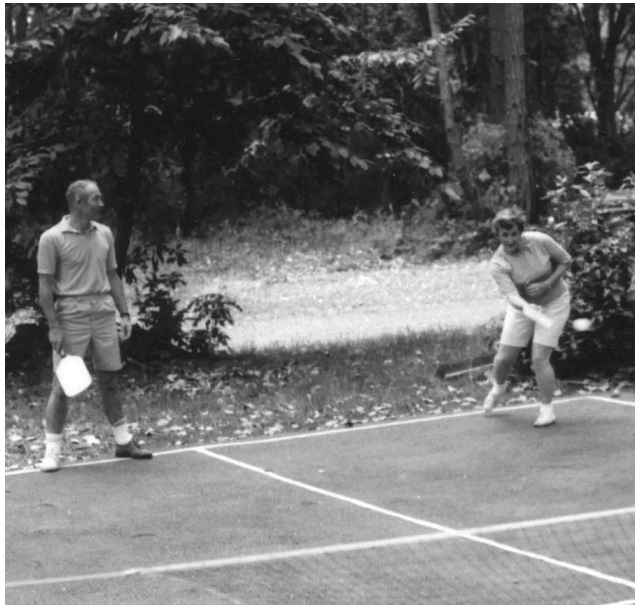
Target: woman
(528,269)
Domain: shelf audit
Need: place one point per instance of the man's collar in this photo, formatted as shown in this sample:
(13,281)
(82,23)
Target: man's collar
(66,225)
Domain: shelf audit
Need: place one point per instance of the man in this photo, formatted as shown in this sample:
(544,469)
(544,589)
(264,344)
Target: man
(80,291)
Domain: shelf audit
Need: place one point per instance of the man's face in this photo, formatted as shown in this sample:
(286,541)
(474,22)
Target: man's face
(510,238)
(91,202)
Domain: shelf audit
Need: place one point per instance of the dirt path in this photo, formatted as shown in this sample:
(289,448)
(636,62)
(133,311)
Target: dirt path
(351,305)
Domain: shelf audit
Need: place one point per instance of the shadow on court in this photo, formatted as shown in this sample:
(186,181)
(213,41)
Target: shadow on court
(352,516)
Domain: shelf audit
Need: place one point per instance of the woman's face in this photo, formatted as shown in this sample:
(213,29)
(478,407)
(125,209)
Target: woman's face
(510,239)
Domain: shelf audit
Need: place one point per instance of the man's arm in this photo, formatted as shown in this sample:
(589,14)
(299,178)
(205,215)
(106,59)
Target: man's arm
(117,291)
(45,292)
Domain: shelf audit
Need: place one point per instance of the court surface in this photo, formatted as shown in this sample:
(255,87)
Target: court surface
(449,509)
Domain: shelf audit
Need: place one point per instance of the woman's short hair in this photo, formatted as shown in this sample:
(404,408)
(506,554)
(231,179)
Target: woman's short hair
(76,189)
(508,218)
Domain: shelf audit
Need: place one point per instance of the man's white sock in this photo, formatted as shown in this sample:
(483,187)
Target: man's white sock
(53,440)
(121,433)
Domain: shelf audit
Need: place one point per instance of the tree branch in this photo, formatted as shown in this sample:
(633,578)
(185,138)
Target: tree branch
(615,30)
(623,96)
(623,69)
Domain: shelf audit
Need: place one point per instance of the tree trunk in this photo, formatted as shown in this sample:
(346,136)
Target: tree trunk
(132,196)
(447,103)
(605,27)
(8,23)
(496,99)
(21,22)
(517,155)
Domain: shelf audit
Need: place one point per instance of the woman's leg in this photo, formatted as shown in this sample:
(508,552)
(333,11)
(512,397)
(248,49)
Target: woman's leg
(503,363)
(545,377)
(546,381)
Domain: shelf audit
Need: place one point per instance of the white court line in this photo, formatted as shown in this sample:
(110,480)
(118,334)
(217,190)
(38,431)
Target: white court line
(612,400)
(320,433)
(629,602)
(420,522)
(317,551)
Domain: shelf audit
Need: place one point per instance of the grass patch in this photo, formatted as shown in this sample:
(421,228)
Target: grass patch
(273,243)
(255,393)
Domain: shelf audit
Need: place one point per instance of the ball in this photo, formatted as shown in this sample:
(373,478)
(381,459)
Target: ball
(582,325)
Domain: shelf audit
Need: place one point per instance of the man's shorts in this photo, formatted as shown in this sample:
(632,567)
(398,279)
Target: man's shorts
(89,325)
(518,329)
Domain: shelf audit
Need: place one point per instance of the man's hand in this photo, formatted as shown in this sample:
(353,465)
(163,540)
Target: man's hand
(56,339)
(125,328)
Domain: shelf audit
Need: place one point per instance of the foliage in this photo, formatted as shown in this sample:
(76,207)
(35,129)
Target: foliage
(263,393)
(484,152)
(169,325)
(600,237)
(213,312)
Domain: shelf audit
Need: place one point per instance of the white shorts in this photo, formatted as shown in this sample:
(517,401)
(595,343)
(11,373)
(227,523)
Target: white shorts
(518,329)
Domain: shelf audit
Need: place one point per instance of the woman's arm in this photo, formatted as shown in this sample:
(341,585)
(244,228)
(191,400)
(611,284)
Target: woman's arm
(540,288)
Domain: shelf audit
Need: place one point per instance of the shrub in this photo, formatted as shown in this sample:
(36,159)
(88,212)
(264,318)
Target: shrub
(168,327)
(213,312)
(599,235)
(484,153)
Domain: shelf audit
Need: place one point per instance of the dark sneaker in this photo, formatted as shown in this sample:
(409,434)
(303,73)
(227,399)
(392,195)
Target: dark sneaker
(132,450)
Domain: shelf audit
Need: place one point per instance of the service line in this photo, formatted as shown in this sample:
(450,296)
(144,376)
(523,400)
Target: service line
(321,550)
(421,522)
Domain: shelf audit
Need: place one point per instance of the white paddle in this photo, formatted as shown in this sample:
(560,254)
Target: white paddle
(73,375)
(537,316)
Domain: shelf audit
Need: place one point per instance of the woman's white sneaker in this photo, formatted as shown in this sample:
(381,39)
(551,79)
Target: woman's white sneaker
(51,460)
(545,417)
(490,401)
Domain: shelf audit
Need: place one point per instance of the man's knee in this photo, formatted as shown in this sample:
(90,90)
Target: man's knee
(57,392)
(108,379)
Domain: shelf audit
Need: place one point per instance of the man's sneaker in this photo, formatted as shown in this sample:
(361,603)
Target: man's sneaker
(490,401)
(51,461)
(545,417)
(132,450)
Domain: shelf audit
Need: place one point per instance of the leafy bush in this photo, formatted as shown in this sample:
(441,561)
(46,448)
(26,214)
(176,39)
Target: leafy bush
(168,326)
(484,153)
(213,311)
(550,155)
(599,235)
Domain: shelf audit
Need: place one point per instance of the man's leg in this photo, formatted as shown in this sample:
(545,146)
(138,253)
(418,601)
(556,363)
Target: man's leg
(54,419)
(76,337)
(56,410)
(105,350)
(112,405)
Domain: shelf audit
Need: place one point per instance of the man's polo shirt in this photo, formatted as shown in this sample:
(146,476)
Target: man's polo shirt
(78,260)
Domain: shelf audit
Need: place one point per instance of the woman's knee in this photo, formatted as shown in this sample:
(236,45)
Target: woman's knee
(541,362)
(505,357)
